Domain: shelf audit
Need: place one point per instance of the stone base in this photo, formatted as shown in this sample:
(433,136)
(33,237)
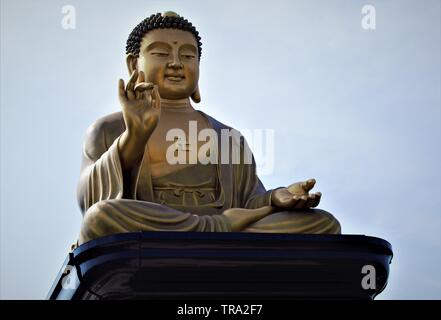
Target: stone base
(172,265)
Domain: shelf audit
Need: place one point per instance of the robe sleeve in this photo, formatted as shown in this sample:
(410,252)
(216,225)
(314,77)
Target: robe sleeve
(253,194)
(101,175)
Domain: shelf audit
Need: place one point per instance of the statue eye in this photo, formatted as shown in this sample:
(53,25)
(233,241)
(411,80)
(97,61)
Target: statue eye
(187,56)
(160,54)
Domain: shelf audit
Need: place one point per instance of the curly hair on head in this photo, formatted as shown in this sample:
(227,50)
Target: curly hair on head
(165,20)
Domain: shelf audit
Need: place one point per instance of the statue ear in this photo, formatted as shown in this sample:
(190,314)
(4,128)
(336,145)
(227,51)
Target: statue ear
(132,63)
(196,96)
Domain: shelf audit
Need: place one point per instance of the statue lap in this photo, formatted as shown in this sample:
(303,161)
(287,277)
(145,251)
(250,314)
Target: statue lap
(127,215)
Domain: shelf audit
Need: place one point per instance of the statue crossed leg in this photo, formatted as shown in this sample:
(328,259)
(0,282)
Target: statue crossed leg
(125,215)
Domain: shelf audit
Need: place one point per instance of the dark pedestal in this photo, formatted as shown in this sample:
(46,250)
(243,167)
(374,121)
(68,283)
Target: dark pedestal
(158,265)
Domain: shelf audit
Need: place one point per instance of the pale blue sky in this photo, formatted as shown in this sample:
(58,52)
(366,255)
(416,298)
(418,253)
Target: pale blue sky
(357,110)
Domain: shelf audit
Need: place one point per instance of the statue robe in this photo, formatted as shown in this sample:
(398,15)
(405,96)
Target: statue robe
(113,201)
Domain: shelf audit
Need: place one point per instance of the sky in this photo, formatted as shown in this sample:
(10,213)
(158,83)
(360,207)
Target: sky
(358,110)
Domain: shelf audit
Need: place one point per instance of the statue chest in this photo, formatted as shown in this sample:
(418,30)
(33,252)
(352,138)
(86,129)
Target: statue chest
(175,143)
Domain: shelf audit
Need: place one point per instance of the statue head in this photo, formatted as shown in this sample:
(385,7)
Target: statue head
(167,48)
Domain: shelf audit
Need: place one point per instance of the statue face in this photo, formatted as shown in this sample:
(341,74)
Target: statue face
(169,59)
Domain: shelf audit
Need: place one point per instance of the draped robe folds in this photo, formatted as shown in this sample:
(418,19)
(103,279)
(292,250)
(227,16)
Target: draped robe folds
(113,201)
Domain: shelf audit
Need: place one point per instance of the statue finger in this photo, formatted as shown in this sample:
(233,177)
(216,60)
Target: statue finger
(142,90)
(301,203)
(318,196)
(132,80)
(311,201)
(143,86)
(131,85)
(308,184)
(139,92)
(121,90)
(141,77)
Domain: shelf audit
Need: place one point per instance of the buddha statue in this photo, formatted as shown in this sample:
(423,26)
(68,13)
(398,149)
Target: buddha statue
(128,182)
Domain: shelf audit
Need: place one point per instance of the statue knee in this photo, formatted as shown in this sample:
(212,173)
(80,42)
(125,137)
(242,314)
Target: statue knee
(328,223)
(98,221)
(311,221)
(97,211)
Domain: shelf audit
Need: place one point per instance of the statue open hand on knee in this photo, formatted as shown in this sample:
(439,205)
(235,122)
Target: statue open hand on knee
(296,196)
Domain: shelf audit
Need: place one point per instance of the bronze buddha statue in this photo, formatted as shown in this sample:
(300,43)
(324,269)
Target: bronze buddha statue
(128,182)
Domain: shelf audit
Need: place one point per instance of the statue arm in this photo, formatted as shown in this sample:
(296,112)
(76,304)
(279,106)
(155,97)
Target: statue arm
(253,193)
(260,198)
(101,176)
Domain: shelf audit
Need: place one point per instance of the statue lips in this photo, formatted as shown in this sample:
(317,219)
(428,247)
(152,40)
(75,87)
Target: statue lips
(175,77)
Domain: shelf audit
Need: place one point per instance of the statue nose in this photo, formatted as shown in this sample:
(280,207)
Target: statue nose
(175,63)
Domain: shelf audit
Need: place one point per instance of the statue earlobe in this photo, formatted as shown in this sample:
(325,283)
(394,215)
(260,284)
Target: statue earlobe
(131,62)
(196,96)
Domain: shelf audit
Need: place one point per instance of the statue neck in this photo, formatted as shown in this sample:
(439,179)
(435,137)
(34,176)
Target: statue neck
(177,105)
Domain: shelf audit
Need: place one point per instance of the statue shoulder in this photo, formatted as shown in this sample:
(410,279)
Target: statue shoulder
(108,123)
(101,134)
(216,124)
